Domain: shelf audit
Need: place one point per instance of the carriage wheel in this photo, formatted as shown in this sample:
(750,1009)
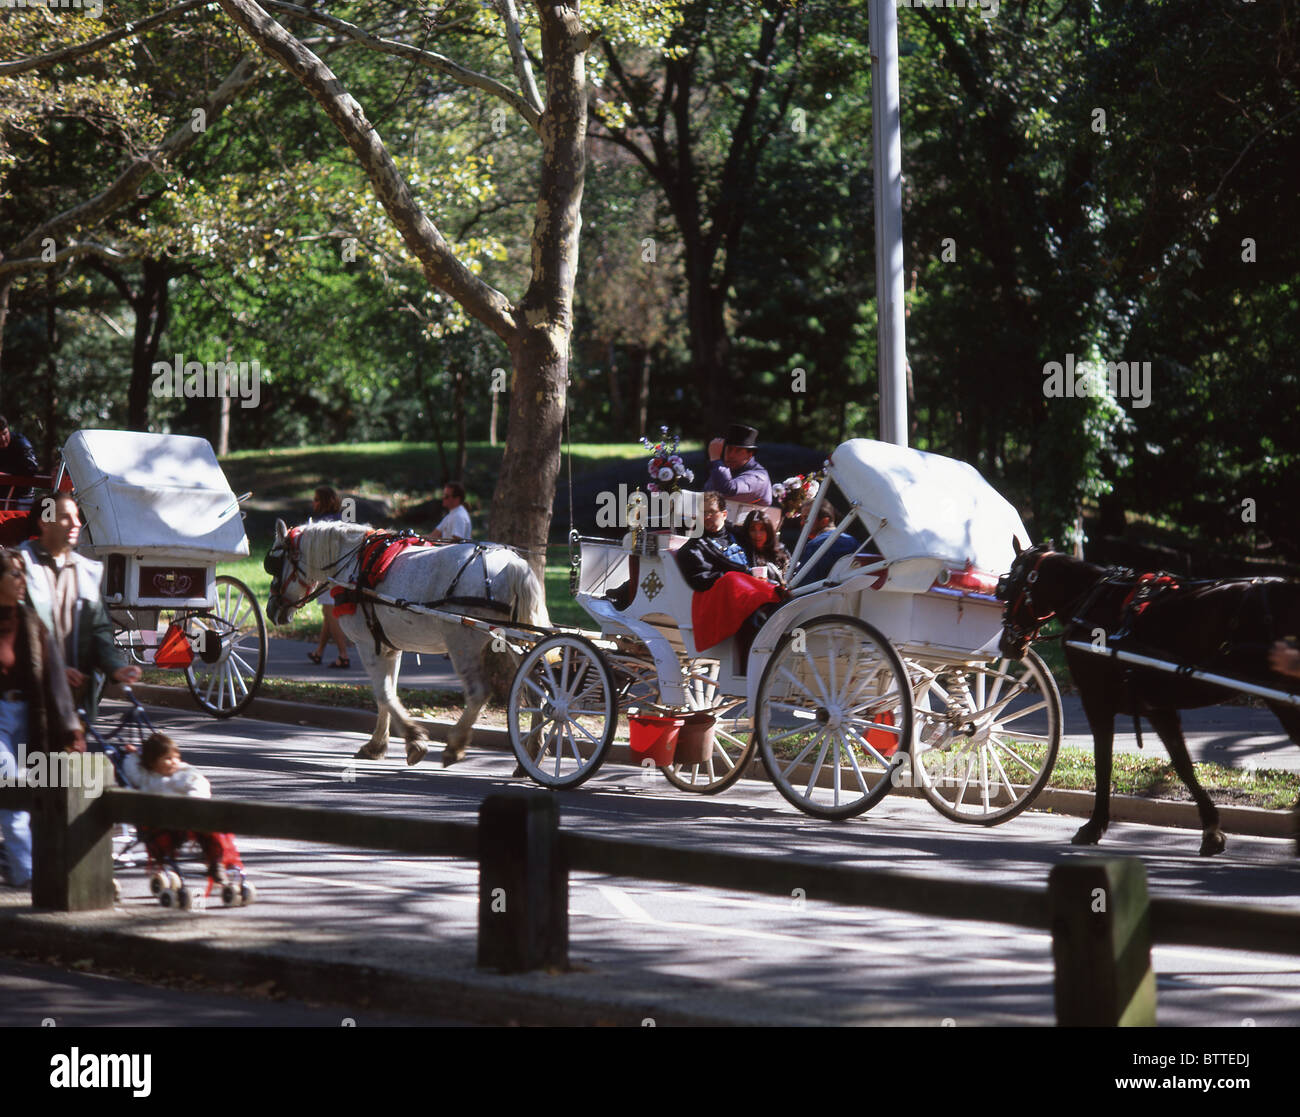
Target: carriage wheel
(562,711)
(987,738)
(834,716)
(227,684)
(727,762)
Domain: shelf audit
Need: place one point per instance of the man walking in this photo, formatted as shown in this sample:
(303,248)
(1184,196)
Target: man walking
(63,588)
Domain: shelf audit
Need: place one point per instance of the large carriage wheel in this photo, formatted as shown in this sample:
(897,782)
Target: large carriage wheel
(562,711)
(987,738)
(224,676)
(834,716)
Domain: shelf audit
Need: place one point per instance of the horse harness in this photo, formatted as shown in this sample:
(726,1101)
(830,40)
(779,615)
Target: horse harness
(371,567)
(1145,590)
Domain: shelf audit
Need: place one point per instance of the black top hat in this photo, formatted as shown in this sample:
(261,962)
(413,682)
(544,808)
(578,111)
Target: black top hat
(746,438)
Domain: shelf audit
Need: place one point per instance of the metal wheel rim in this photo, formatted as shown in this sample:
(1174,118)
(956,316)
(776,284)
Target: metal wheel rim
(830,767)
(990,776)
(571,711)
(226,687)
(728,759)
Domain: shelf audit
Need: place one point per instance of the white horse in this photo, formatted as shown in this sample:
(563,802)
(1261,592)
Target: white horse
(302,560)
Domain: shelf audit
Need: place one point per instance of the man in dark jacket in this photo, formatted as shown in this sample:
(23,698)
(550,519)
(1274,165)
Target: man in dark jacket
(704,560)
(16,457)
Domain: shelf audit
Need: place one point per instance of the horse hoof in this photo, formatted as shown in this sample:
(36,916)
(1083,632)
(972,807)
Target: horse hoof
(1212,842)
(1088,835)
(452,754)
(415,752)
(371,751)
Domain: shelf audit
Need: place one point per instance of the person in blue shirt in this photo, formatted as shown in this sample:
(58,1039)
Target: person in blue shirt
(827,517)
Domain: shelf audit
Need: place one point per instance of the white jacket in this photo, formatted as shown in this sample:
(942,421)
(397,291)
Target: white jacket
(186,780)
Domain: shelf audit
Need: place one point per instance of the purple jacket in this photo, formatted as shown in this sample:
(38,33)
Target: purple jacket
(750,483)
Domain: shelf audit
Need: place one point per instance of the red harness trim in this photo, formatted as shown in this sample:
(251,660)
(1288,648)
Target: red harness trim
(1148,585)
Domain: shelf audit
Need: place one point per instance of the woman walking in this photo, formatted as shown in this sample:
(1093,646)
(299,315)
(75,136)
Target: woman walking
(326,505)
(36,707)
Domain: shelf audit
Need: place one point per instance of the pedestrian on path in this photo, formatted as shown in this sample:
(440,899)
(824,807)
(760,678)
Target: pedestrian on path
(327,505)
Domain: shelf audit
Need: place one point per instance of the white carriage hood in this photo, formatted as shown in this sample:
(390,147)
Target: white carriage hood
(154,494)
(922,505)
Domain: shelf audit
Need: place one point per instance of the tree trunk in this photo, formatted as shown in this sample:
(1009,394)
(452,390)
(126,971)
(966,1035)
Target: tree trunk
(616,394)
(643,394)
(51,366)
(462,434)
(151,312)
(525,493)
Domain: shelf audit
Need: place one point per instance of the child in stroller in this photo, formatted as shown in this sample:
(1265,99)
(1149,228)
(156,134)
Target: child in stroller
(159,770)
(153,764)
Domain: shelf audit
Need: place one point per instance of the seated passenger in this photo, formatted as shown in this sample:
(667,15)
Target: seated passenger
(727,600)
(845,544)
(704,560)
(763,547)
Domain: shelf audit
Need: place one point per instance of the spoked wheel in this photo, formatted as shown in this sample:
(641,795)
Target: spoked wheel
(728,754)
(224,676)
(987,737)
(562,711)
(834,717)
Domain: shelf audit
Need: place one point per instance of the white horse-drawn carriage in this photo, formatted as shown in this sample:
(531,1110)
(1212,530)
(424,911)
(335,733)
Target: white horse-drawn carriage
(160,515)
(882,673)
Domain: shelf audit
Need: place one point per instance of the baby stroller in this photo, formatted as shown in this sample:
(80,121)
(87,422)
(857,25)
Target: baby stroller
(163,847)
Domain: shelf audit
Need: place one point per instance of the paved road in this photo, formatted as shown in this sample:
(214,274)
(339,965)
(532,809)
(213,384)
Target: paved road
(1235,736)
(843,958)
(34,995)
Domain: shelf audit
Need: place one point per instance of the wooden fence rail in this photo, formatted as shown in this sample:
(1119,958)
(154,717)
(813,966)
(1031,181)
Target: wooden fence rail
(1098,912)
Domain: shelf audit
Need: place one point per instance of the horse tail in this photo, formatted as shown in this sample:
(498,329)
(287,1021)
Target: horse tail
(530,598)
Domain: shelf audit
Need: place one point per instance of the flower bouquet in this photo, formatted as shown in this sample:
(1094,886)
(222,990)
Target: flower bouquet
(795,493)
(668,473)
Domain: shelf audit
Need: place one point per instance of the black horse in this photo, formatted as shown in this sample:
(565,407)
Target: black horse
(1226,628)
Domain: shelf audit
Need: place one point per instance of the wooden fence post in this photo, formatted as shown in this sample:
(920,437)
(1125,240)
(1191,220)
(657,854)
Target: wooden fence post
(72,844)
(1101,943)
(523,888)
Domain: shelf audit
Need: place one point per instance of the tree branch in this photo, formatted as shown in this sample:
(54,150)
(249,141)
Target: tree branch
(429,59)
(116,195)
(423,240)
(78,50)
(523,68)
(22,265)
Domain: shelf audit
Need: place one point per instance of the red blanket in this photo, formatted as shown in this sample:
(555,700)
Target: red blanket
(373,567)
(720,610)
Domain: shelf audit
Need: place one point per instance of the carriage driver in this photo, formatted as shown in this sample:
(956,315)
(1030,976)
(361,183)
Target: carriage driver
(733,472)
(63,588)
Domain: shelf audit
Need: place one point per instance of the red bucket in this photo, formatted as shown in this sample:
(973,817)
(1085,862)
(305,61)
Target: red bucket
(653,737)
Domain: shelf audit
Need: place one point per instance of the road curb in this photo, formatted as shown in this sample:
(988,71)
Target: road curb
(1254,822)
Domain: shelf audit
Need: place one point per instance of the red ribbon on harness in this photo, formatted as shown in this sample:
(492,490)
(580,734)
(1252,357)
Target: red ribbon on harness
(1154,583)
(377,555)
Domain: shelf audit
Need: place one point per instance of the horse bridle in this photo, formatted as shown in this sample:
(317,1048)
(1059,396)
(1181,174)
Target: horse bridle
(274,566)
(1021,585)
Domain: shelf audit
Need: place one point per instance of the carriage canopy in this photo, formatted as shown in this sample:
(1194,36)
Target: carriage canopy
(154,494)
(921,505)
